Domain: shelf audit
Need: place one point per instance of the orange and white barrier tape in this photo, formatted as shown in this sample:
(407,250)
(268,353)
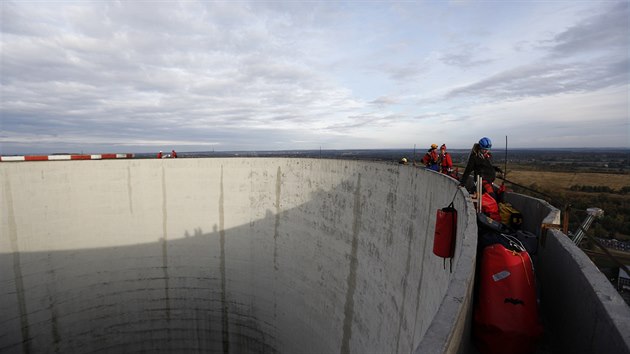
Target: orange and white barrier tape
(64,157)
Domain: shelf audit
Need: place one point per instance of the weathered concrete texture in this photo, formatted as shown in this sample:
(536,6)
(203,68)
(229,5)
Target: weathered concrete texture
(229,255)
(585,314)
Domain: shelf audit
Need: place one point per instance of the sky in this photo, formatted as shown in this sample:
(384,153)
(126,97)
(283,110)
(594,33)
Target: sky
(143,76)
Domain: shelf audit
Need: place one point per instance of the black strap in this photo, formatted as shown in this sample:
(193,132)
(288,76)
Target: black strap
(451,208)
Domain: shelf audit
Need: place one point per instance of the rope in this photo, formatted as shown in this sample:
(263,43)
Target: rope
(454,195)
(524,268)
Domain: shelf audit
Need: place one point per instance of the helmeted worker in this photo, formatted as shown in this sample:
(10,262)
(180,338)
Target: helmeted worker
(480,164)
(159,155)
(430,159)
(445,161)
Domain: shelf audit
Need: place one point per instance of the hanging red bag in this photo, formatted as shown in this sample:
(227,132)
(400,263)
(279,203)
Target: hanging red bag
(445,231)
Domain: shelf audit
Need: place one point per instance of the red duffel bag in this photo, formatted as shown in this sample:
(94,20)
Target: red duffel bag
(506,314)
(445,231)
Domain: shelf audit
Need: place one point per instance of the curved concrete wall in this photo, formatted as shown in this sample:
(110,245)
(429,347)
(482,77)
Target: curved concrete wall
(230,255)
(584,311)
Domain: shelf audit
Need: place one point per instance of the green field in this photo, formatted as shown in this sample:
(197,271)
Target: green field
(615,201)
(562,181)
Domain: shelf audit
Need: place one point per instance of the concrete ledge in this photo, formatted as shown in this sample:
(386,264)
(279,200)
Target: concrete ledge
(587,315)
(64,157)
(536,212)
(584,312)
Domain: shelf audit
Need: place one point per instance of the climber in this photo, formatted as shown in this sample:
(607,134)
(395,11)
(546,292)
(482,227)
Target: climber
(445,161)
(480,164)
(430,159)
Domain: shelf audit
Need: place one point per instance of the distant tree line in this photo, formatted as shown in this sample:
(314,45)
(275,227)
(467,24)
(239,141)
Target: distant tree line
(599,189)
(615,223)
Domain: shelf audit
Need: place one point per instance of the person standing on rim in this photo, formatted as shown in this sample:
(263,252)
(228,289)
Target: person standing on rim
(445,161)
(480,164)
(430,159)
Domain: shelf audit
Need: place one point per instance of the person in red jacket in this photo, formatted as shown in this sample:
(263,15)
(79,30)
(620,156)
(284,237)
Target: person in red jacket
(430,159)
(173,154)
(159,155)
(445,161)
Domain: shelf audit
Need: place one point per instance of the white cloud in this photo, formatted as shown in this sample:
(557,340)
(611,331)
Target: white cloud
(591,119)
(270,75)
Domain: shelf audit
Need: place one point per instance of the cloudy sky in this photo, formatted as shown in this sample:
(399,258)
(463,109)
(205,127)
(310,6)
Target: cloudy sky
(142,76)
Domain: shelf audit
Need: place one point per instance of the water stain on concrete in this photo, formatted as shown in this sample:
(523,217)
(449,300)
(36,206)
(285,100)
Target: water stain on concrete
(224,304)
(277,223)
(352,274)
(427,230)
(391,210)
(17,267)
(129,189)
(51,290)
(275,240)
(401,314)
(165,253)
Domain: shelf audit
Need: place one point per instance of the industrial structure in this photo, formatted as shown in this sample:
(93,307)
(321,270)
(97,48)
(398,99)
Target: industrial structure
(264,255)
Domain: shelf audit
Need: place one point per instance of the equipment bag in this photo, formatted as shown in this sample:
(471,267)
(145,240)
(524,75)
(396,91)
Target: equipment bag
(445,231)
(489,207)
(510,216)
(506,313)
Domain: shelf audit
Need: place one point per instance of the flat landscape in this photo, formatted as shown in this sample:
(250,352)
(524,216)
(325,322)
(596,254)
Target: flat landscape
(564,180)
(579,178)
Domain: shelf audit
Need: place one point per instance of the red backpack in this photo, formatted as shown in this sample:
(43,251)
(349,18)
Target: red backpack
(490,207)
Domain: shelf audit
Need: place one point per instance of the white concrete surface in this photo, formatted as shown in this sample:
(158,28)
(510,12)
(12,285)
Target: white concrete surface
(229,255)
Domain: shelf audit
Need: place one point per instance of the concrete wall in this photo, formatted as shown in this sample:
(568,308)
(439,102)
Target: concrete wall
(230,255)
(536,212)
(584,313)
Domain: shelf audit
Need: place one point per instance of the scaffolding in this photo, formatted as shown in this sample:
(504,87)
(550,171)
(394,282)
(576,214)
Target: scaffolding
(592,214)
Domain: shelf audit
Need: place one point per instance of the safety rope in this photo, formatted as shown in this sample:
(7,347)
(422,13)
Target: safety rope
(524,268)
(514,253)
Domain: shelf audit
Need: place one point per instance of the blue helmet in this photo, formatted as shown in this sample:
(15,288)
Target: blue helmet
(485,143)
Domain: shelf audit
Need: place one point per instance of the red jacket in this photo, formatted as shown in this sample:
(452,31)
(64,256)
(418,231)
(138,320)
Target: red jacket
(446,163)
(490,207)
(430,158)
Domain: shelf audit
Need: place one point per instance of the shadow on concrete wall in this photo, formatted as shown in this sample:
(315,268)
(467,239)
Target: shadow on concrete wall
(291,281)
